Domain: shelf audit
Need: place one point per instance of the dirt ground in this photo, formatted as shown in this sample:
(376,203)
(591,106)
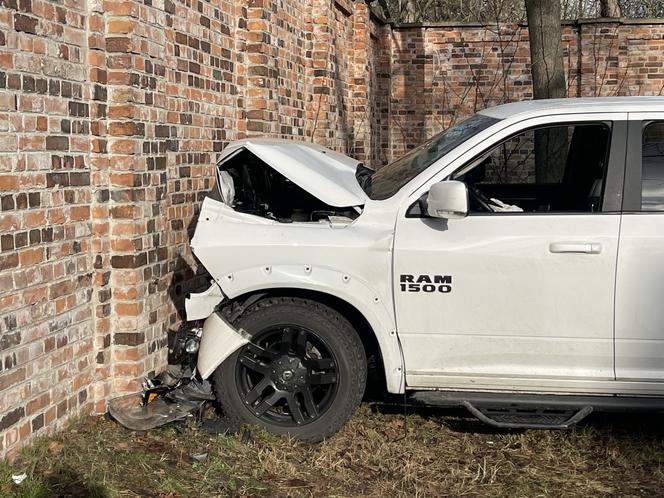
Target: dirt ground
(435,453)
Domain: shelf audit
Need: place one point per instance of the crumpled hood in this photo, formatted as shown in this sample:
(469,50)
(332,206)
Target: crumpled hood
(324,173)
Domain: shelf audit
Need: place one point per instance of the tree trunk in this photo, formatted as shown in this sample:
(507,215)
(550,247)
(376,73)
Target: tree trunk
(546,51)
(546,61)
(410,11)
(609,8)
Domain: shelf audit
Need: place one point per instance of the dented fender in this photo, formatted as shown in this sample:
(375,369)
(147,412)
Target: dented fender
(245,254)
(219,340)
(349,288)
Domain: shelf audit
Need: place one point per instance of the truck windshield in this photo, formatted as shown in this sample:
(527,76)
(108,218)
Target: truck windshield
(389,179)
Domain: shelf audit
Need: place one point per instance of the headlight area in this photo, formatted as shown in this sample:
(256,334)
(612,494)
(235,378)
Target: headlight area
(184,345)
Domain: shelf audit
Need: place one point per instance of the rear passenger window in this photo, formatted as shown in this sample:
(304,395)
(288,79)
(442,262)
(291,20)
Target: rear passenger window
(652,168)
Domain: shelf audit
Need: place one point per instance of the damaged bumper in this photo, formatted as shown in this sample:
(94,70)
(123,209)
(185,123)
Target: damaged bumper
(167,398)
(201,305)
(219,341)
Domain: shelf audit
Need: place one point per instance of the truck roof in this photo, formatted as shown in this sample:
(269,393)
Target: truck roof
(586,104)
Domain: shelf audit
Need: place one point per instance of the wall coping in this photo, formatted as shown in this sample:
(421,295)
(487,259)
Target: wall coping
(566,22)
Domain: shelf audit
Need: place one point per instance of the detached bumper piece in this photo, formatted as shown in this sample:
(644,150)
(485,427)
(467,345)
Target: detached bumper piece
(163,400)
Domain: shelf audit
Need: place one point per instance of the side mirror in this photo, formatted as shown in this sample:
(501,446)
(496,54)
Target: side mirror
(448,199)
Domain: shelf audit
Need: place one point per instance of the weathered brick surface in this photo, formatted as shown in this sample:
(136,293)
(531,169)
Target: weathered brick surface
(113,112)
(46,318)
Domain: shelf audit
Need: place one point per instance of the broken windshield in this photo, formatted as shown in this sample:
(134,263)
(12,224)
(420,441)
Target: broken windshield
(389,179)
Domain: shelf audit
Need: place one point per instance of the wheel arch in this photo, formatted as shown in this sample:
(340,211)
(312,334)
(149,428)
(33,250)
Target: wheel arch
(382,349)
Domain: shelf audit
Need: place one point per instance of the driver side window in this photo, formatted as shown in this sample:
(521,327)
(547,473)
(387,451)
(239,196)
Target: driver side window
(558,168)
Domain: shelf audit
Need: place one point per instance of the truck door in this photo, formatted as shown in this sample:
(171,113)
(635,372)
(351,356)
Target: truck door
(640,274)
(520,293)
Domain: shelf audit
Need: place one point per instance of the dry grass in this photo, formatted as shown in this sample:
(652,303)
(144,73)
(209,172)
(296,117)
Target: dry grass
(439,453)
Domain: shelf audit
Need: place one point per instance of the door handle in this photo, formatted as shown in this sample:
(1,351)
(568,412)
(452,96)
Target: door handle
(575,247)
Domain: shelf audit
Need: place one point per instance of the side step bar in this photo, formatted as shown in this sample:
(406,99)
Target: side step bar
(534,411)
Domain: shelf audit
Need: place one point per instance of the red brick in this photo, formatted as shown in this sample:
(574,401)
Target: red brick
(37,403)
(8,182)
(31,256)
(79,213)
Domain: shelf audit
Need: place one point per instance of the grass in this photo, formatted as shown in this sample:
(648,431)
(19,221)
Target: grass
(434,453)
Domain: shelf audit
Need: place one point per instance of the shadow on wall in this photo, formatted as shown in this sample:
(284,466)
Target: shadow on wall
(185,280)
(340,86)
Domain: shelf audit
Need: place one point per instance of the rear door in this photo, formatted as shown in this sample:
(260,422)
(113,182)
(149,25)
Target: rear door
(640,272)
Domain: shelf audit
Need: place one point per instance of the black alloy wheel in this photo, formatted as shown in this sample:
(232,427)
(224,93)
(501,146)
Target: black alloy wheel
(302,374)
(287,375)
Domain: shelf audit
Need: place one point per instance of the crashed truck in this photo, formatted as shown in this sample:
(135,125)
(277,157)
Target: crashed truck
(508,265)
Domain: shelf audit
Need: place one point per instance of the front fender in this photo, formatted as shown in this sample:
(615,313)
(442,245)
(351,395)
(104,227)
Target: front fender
(346,287)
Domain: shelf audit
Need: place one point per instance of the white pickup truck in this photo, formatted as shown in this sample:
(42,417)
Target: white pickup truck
(512,264)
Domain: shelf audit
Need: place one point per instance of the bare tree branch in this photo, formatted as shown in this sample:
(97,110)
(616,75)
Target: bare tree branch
(510,11)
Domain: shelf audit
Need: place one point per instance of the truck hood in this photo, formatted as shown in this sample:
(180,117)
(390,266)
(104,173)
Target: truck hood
(324,173)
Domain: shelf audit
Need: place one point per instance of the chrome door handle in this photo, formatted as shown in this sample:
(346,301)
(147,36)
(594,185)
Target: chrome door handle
(575,247)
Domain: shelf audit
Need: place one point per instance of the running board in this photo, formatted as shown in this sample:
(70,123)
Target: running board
(534,411)
(512,417)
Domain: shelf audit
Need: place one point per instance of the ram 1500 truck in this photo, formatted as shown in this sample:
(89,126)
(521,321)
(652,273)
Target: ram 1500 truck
(512,264)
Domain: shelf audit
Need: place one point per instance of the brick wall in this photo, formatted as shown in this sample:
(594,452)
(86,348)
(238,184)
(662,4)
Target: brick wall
(46,270)
(112,114)
(445,72)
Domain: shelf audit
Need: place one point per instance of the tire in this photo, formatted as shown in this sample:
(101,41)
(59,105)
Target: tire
(303,374)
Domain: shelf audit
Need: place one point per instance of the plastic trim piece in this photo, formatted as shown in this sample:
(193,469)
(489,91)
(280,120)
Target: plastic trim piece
(218,342)
(201,305)
(632,188)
